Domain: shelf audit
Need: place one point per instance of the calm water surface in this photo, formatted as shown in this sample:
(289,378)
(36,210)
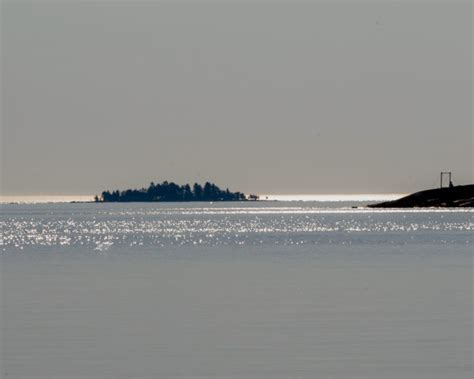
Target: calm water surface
(235,290)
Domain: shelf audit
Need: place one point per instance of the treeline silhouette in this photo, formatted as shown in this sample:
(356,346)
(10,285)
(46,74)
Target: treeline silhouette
(173,192)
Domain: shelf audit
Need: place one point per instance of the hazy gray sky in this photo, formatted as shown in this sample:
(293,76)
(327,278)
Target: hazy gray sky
(260,96)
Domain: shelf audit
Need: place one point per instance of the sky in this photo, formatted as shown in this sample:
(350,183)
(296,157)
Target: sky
(259,96)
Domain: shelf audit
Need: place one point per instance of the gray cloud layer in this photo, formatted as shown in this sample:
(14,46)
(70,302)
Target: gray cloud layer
(286,97)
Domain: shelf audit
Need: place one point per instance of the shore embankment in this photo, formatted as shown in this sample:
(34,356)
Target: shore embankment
(454,197)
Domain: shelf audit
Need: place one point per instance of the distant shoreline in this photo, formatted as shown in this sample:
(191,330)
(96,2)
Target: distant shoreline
(44,199)
(84,199)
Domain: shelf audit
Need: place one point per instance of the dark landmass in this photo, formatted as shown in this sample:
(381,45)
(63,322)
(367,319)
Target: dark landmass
(169,191)
(456,197)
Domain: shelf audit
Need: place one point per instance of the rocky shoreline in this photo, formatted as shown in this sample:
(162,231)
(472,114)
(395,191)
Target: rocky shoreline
(449,197)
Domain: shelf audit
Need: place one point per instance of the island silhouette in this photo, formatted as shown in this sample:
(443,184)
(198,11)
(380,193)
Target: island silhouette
(170,192)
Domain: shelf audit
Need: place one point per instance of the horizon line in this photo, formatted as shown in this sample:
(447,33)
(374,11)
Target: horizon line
(326,197)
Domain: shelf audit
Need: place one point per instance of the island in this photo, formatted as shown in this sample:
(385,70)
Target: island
(170,192)
(453,196)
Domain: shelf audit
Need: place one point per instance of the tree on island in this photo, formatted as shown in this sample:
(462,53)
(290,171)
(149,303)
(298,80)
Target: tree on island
(169,191)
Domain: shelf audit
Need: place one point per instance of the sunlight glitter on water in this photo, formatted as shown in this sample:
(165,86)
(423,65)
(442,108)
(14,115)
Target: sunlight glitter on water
(104,226)
(160,290)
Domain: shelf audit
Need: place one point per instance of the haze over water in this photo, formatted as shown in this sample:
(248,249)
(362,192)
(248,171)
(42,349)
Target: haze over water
(235,290)
(262,97)
(38,199)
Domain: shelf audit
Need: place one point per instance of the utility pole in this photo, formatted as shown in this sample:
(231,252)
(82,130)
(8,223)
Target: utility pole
(441,178)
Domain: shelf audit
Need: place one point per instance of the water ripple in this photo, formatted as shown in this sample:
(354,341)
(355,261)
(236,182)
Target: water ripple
(118,226)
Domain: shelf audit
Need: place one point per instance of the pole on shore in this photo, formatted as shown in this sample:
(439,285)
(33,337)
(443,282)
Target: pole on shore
(441,178)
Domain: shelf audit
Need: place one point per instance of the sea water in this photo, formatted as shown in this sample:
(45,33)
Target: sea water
(235,290)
